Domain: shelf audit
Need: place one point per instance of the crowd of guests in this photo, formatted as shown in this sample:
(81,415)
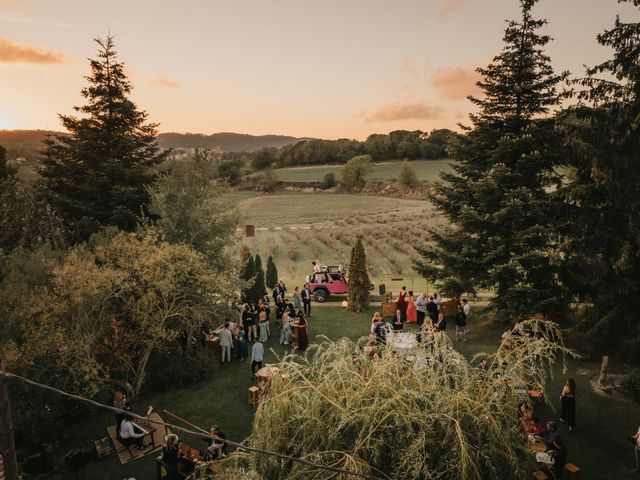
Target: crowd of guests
(253,328)
(551,453)
(428,308)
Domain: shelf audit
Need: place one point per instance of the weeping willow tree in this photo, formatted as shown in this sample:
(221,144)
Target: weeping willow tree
(434,417)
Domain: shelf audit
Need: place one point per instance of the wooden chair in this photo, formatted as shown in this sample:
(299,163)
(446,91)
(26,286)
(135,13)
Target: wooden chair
(571,470)
(253,396)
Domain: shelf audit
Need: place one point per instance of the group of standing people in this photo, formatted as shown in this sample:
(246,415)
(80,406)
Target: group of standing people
(254,325)
(416,310)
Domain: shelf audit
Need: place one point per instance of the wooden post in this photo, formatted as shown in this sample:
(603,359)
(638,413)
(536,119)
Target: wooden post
(602,380)
(7,443)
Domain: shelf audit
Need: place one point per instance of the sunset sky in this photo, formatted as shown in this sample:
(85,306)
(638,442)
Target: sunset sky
(329,68)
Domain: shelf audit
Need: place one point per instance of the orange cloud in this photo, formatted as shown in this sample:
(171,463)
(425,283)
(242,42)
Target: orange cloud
(15,53)
(456,83)
(165,83)
(404,111)
(448,6)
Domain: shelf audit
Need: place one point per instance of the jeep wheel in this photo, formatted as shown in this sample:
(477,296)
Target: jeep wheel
(320,295)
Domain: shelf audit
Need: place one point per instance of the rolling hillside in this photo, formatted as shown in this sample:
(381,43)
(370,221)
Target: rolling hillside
(23,146)
(27,143)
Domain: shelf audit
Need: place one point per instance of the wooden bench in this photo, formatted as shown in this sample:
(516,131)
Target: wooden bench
(572,470)
(253,396)
(540,475)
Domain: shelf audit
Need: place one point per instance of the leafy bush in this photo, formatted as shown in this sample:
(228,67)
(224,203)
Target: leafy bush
(328,181)
(177,368)
(355,172)
(231,171)
(408,177)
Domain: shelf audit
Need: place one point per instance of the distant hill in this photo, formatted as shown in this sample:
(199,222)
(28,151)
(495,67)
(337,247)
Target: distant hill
(227,142)
(27,143)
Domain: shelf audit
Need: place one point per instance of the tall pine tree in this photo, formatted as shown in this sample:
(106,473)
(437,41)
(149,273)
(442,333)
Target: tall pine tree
(497,199)
(258,289)
(97,174)
(5,171)
(603,196)
(359,283)
(248,274)
(271,277)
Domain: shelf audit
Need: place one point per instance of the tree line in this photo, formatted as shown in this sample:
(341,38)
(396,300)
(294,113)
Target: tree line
(543,204)
(112,263)
(397,144)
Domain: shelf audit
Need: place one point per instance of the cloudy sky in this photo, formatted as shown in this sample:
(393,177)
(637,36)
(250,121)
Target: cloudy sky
(329,68)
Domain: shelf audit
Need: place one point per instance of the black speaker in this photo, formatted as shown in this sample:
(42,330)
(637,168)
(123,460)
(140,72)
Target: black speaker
(382,289)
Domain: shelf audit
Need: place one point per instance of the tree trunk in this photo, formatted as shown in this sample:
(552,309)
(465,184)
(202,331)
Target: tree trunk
(189,336)
(7,443)
(140,372)
(602,380)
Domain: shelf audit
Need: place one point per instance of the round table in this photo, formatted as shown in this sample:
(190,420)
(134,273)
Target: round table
(402,343)
(265,373)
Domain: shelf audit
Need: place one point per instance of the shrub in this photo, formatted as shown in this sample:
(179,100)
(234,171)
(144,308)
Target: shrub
(177,368)
(408,177)
(292,253)
(328,181)
(231,171)
(355,172)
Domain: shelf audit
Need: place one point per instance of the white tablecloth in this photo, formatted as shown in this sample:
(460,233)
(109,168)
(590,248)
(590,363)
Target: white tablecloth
(402,343)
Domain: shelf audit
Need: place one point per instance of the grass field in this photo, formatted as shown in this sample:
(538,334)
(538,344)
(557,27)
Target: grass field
(598,445)
(299,228)
(427,170)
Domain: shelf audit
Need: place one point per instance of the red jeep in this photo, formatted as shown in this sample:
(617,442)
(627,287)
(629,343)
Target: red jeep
(331,281)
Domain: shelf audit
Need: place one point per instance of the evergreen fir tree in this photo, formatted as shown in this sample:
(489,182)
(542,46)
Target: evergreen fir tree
(248,274)
(497,200)
(98,173)
(272,273)
(603,216)
(359,283)
(258,289)
(5,171)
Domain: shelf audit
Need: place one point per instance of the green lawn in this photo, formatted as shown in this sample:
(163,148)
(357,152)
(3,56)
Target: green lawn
(598,446)
(427,170)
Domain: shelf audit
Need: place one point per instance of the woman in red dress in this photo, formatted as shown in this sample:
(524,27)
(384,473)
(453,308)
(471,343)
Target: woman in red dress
(412,316)
(401,303)
(303,339)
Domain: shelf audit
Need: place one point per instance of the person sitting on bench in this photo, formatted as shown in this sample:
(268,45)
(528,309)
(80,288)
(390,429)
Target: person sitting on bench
(128,435)
(554,459)
(217,446)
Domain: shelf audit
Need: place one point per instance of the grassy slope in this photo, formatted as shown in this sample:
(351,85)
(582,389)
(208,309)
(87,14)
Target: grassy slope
(598,446)
(425,170)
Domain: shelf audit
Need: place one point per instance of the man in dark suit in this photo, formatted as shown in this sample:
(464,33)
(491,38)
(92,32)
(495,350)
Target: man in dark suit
(432,310)
(306,299)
